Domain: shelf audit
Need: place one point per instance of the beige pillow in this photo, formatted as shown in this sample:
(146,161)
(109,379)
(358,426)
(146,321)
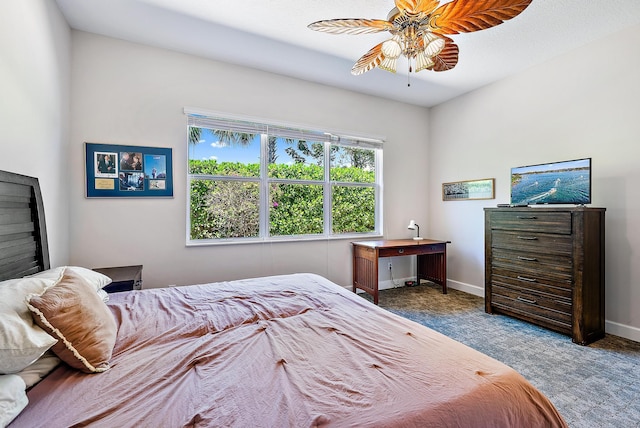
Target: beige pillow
(73,312)
(21,341)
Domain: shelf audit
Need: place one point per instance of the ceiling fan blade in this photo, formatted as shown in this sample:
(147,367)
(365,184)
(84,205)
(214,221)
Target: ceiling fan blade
(448,57)
(466,16)
(417,6)
(427,6)
(368,61)
(351,26)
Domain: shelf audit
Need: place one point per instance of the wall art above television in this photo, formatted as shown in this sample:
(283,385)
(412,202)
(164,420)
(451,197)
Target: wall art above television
(469,189)
(128,171)
(565,182)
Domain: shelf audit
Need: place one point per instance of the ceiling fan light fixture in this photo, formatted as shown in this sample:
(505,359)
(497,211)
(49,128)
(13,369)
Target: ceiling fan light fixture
(420,29)
(423,62)
(391,49)
(389,64)
(433,44)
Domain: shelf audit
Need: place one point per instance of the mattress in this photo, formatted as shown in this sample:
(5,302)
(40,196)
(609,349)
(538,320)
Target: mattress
(283,351)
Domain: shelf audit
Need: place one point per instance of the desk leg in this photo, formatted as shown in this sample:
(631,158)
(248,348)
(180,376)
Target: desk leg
(433,267)
(365,271)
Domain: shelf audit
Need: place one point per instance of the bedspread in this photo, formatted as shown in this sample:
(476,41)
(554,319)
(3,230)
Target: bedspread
(285,351)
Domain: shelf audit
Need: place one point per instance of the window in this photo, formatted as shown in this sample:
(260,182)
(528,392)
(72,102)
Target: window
(252,181)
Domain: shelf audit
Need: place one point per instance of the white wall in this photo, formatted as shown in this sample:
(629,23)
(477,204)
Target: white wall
(125,93)
(35,47)
(584,104)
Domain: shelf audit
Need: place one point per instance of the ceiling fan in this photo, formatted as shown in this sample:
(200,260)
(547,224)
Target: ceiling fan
(419,30)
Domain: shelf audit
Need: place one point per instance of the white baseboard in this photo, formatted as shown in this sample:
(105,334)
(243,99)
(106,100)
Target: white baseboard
(622,330)
(467,288)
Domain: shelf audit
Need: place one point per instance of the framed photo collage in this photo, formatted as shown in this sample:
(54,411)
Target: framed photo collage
(128,171)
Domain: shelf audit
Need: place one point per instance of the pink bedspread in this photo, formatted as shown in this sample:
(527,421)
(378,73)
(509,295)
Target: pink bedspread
(287,351)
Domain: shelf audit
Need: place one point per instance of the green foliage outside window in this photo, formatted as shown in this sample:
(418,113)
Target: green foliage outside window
(353,209)
(231,169)
(230,209)
(296,171)
(224,209)
(296,209)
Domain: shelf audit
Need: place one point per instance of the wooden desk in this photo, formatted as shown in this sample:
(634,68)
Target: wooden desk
(431,264)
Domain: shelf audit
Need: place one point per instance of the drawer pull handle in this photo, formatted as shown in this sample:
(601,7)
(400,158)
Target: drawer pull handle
(531,302)
(527,259)
(521,217)
(528,238)
(401,250)
(524,278)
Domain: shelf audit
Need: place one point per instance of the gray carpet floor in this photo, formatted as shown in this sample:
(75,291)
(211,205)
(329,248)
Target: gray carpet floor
(591,386)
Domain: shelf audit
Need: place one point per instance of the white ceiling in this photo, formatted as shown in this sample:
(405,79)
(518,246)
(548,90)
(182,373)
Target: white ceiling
(272,35)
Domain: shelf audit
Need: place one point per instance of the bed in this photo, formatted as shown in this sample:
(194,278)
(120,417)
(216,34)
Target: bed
(281,351)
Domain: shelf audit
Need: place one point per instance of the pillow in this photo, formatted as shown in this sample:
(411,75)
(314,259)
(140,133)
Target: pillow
(95,279)
(13,398)
(73,312)
(38,370)
(21,341)
(103,295)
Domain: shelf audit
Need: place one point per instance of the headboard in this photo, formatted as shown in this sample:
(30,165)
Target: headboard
(23,234)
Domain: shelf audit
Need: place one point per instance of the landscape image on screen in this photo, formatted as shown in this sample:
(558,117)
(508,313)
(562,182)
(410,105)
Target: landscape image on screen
(566,182)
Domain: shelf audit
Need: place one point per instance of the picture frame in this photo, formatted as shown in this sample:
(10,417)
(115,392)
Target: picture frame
(125,171)
(469,189)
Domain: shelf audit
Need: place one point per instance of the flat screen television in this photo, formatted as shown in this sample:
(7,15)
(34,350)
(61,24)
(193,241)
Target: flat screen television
(566,182)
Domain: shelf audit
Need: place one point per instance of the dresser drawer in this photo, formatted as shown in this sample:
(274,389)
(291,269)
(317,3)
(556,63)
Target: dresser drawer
(531,242)
(558,267)
(533,317)
(539,283)
(558,288)
(547,222)
(534,305)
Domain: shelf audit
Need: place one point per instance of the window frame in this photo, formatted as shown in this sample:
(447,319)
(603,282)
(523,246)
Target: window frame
(210,120)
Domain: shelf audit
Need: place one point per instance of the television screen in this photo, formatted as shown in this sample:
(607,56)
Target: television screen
(567,182)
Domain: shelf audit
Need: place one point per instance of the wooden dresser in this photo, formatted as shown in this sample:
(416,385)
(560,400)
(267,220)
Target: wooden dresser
(546,266)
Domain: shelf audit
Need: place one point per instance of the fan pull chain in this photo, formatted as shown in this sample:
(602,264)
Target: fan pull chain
(409,75)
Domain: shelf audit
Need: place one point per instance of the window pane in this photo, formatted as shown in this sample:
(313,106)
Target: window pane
(295,209)
(224,209)
(353,165)
(353,209)
(295,159)
(220,152)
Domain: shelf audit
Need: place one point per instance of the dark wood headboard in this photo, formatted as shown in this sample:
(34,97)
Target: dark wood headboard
(23,234)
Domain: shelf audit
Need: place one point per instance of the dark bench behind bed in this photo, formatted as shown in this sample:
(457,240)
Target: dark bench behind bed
(23,234)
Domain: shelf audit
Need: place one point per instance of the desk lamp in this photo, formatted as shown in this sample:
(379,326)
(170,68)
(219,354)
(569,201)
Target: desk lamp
(414,226)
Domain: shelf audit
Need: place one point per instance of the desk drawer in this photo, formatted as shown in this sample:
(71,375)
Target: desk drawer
(547,222)
(410,250)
